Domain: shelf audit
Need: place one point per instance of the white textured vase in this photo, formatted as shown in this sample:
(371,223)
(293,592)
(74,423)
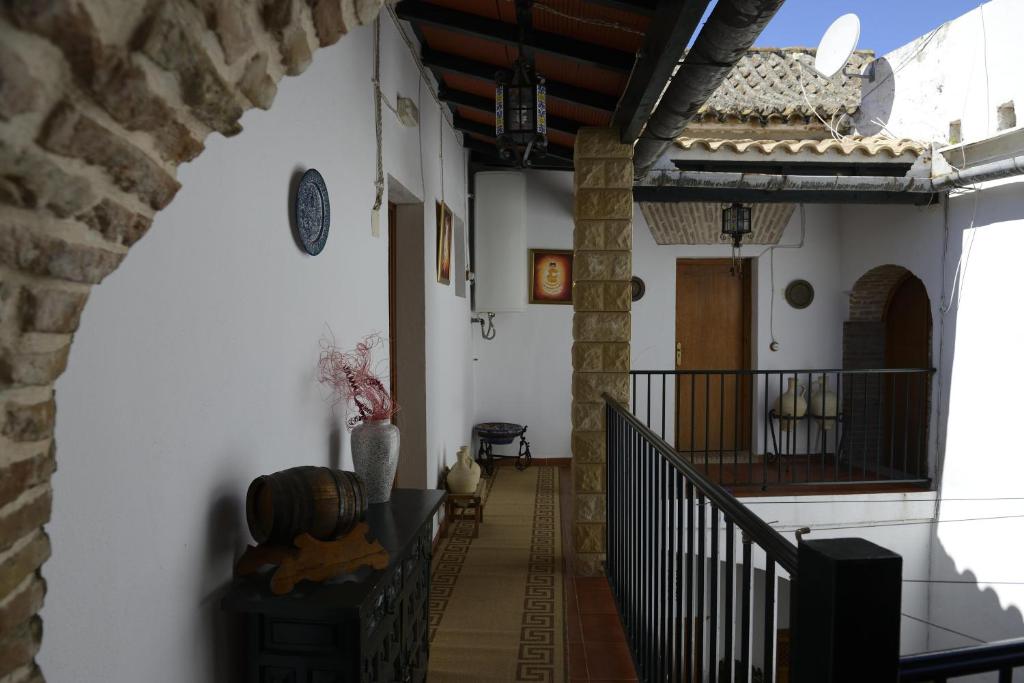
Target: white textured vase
(824,404)
(465,475)
(375,456)
(791,404)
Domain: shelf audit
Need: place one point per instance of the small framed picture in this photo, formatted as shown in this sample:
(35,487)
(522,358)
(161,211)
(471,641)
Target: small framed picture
(551,276)
(444,243)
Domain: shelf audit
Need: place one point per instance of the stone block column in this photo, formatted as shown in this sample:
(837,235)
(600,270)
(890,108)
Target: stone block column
(602,268)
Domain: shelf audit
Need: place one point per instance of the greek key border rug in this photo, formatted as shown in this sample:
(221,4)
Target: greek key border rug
(496,602)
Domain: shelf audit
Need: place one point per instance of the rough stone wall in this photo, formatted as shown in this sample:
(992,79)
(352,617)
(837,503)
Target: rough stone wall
(602,268)
(99,104)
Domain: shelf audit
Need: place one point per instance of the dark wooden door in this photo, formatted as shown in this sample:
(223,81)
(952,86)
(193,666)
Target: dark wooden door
(712,333)
(908,324)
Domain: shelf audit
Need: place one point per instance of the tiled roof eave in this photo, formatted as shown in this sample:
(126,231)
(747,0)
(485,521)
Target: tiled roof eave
(873,148)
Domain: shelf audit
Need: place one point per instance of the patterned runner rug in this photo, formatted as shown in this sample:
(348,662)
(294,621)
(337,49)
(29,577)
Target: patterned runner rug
(496,601)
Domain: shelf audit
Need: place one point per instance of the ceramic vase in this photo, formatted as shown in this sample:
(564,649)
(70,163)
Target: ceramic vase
(375,456)
(465,474)
(791,404)
(823,404)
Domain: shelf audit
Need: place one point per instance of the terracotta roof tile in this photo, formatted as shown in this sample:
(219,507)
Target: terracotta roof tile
(765,84)
(850,145)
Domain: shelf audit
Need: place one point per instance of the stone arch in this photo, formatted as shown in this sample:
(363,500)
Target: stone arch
(99,104)
(870,295)
(867,345)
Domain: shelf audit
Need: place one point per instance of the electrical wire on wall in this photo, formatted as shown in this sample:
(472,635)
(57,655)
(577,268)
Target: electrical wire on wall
(774,345)
(424,74)
(378,182)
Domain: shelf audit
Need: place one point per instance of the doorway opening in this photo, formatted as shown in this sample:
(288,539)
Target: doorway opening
(407,333)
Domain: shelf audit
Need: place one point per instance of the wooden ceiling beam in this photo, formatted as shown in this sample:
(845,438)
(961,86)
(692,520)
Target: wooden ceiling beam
(443,62)
(486,105)
(553,44)
(671,28)
(553,151)
(645,7)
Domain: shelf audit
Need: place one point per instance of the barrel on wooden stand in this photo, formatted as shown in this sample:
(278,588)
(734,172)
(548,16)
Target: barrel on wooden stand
(320,501)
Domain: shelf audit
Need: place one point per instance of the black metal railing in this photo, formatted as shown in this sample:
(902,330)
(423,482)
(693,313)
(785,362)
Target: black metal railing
(784,427)
(1000,657)
(701,582)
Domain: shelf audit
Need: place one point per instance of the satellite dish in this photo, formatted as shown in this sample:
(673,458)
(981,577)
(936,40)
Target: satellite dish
(837,45)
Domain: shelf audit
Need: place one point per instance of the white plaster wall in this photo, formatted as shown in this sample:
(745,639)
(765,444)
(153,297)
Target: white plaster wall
(194,369)
(982,453)
(808,339)
(967,69)
(524,374)
(963,71)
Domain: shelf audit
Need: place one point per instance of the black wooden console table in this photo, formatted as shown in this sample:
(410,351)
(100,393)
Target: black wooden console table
(369,627)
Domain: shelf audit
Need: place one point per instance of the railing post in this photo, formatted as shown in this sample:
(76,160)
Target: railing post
(847,612)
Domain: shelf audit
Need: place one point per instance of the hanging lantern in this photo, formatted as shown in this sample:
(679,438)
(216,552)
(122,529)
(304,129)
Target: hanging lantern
(520,113)
(735,223)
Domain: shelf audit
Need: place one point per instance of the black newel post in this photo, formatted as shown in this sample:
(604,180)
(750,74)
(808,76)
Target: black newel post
(847,604)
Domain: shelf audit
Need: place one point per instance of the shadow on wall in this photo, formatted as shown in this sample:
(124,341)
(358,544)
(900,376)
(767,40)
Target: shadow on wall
(877,98)
(963,612)
(227,536)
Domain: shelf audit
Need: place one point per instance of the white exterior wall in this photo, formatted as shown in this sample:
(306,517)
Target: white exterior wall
(968,68)
(194,368)
(524,374)
(963,71)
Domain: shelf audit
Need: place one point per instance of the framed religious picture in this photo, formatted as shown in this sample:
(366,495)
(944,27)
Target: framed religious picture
(551,276)
(444,243)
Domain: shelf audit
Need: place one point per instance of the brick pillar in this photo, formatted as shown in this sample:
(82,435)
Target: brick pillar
(602,268)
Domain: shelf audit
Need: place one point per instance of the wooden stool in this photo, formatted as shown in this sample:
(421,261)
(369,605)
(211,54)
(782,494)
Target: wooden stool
(465,507)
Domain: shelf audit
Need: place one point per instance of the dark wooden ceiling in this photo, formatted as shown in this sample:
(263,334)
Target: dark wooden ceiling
(605,61)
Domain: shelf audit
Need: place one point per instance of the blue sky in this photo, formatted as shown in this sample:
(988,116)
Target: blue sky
(885,24)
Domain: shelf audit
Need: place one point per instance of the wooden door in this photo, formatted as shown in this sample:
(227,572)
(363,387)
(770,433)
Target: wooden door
(908,324)
(712,333)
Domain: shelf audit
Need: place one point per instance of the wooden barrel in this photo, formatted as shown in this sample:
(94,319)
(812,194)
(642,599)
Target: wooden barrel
(322,502)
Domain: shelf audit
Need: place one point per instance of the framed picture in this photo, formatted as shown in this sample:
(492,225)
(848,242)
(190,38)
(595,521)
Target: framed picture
(551,276)
(444,243)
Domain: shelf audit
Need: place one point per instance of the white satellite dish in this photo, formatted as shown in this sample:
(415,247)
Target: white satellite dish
(837,45)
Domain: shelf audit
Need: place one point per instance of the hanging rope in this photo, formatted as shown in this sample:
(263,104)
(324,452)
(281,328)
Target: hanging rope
(440,146)
(378,125)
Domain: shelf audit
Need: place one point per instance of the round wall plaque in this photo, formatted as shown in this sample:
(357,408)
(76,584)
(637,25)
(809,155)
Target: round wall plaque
(638,288)
(799,294)
(312,212)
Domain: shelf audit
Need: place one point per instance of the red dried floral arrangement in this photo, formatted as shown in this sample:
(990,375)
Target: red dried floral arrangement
(353,380)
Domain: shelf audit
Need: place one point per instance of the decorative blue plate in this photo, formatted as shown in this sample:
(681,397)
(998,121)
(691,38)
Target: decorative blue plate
(312,212)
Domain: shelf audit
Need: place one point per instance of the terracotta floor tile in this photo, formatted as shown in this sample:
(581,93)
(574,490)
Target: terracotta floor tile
(577,661)
(589,583)
(602,628)
(609,661)
(574,630)
(596,602)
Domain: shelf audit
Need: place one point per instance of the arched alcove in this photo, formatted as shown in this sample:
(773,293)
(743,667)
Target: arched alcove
(99,104)
(889,326)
